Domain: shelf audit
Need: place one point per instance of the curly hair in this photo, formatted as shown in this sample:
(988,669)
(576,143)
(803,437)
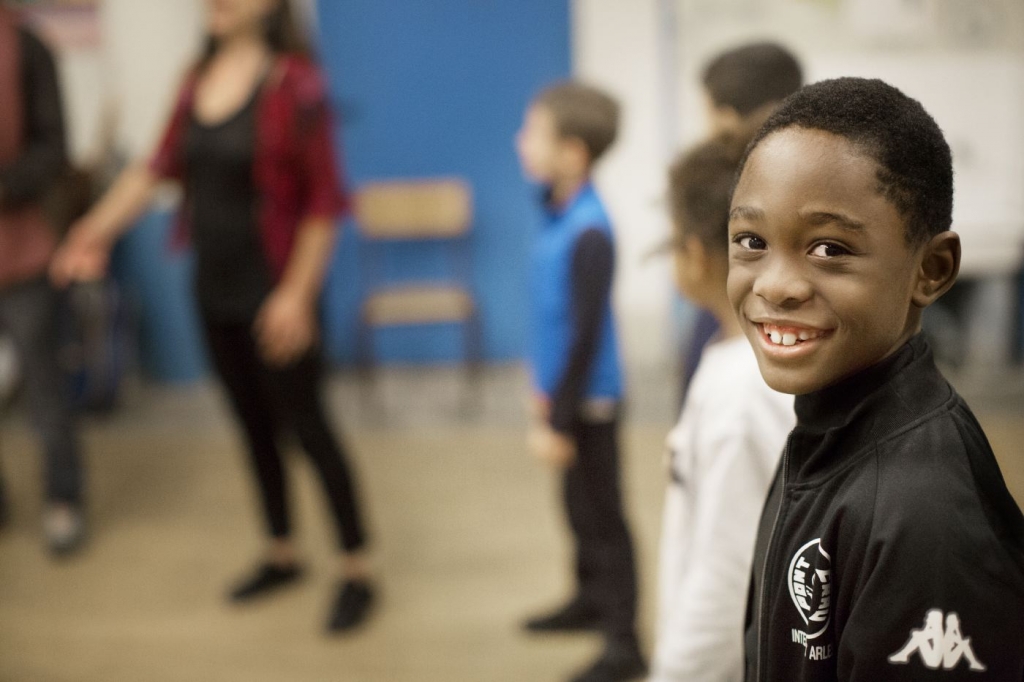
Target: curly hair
(915,165)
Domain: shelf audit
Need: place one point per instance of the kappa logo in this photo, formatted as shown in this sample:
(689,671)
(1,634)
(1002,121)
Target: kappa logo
(938,646)
(810,587)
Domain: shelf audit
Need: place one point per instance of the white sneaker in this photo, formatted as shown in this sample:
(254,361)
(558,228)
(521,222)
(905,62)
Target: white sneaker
(64,528)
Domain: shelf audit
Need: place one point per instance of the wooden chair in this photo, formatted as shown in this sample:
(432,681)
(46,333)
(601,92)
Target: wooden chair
(411,211)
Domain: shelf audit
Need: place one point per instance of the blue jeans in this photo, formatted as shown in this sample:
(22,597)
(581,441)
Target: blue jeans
(28,312)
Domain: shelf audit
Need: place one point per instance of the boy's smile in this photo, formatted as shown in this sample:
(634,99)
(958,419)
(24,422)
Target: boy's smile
(821,274)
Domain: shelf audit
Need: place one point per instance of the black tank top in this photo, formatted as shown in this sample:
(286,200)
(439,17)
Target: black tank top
(232,276)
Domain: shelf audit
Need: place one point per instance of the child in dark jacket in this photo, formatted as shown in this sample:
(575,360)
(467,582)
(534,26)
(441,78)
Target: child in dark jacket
(889,547)
(576,370)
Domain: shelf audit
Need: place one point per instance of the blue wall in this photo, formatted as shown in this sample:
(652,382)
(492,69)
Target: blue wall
(438,88)
(157,283)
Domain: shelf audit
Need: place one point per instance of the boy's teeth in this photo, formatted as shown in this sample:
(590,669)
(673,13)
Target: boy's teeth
(789,338)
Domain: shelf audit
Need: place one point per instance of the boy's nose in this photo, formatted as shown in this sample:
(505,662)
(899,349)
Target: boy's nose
(782,284)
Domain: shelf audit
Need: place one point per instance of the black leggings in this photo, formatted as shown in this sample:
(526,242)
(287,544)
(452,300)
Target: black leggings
(268,401)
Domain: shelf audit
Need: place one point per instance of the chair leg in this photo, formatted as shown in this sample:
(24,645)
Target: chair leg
(365,362)
(473,355)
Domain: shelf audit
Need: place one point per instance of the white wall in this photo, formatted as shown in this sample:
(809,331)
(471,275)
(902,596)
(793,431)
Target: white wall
(619,46)
(148,45)
(125,86)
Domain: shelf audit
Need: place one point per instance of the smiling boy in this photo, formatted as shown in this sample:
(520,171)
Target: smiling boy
(889,547)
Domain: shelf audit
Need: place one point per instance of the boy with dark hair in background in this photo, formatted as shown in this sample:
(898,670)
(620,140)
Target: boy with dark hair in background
(889,547)
(723,451)
(742,86)
(576,368)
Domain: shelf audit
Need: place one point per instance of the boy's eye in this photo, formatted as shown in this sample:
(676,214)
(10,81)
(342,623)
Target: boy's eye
(829,250)
(750,242)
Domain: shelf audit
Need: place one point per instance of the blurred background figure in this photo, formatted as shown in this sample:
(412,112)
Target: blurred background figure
(723,451)
(742,87)
(250,141)
(32,158)
(577,374)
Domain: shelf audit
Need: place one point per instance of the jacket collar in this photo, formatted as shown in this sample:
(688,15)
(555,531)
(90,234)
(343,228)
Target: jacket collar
(841,420)
(555,211)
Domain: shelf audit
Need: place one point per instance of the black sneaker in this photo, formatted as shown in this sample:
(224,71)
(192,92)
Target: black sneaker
(351,606)
(616,664)
(576,616)
(267,578)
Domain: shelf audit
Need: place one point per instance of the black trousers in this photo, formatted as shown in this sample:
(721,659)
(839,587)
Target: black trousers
(605,566)
(269,402)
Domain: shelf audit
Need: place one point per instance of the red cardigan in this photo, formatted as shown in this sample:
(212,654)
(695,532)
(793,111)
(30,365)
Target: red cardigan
(294,170)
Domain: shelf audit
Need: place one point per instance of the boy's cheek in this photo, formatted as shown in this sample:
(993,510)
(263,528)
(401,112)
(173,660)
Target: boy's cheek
(738,285)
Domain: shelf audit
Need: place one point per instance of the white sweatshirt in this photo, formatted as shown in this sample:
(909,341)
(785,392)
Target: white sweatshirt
(724,452)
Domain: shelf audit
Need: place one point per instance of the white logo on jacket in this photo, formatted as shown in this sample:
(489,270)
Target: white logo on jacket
(810,587)
(938,646)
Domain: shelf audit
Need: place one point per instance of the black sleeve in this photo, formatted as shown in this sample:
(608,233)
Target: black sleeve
(44,155)
(593,262)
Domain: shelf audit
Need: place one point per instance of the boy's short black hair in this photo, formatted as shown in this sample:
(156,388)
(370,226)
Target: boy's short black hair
(915,164)
(583,112)
(751,76)
(700,185)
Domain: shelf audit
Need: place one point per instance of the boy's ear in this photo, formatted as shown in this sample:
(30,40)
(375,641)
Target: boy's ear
(940,264)
(577,154)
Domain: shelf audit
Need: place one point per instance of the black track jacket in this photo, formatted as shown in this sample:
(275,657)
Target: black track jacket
(889,548)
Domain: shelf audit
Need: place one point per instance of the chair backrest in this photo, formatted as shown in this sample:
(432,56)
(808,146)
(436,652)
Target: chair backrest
(414,209)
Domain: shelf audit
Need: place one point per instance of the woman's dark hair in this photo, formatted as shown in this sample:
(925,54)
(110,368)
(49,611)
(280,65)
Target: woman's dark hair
(700,185)
(280,30)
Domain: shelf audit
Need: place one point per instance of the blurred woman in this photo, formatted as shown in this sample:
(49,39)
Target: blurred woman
(250,141)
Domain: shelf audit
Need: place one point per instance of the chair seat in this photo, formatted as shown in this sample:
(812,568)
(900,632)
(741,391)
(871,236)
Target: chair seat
(411,304)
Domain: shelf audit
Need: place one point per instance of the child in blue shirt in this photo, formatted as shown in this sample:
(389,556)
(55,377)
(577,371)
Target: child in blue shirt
(576,369)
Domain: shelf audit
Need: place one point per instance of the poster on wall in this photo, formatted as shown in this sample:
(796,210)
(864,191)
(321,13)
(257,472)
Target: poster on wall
(64,24)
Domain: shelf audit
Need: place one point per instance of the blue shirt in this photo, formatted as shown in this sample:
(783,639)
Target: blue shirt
(552,302)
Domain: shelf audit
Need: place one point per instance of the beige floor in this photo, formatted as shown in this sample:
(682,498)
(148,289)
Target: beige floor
(469,542)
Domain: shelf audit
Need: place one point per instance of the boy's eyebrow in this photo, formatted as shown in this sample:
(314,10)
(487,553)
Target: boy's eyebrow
(825,217)
(747,213)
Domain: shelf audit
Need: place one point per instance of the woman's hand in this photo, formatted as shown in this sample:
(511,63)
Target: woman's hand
(85,252)
(285,327)
(83,256)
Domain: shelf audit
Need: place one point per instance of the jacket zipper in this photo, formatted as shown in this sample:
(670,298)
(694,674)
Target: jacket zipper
(762,607)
